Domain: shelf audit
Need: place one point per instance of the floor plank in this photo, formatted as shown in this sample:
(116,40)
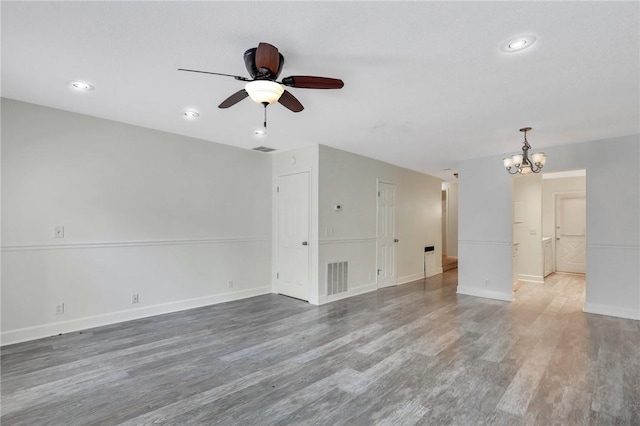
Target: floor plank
(413,354)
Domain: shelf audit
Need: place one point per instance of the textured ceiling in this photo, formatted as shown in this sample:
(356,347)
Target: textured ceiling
(426,83)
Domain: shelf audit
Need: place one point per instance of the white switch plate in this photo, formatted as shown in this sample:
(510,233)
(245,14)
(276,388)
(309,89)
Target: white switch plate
(58,231)
(60,309)
(532,231)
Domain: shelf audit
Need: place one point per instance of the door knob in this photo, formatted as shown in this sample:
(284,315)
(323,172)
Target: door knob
(304,243)
(395,240)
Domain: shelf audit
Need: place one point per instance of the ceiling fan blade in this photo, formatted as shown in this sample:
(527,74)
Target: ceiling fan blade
(267,56)
(237,77)
(234,99)
(310,82)
(290,101)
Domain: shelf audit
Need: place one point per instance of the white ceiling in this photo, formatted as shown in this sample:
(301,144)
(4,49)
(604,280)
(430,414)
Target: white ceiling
(426,83)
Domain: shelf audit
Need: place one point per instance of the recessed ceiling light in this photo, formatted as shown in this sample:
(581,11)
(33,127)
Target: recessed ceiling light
(81,86)
(191,114)
(519,43)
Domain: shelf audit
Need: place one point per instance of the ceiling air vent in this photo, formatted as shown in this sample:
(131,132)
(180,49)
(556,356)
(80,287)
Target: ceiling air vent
(263,149)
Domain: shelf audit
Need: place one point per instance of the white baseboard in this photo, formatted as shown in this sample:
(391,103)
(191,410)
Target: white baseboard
(438,271)
(52,329)
(409,278)
(538,279)
(612,311)
(415,277)
(352,292)
(487,294)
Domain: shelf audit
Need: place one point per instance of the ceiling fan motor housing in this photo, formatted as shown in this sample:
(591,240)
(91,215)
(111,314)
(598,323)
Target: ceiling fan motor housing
(262,73)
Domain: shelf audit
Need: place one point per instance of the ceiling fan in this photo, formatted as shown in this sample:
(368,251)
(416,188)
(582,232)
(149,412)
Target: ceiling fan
(264,64)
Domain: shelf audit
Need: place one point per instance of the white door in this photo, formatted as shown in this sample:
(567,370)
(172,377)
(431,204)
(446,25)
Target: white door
(570,233)
(292,198)
(386,234)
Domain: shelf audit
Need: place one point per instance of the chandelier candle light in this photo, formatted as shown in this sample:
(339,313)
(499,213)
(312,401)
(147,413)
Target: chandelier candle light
(520,163)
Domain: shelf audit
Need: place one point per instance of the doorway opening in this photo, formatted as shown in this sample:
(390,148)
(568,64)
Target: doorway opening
(549,231)
(449,226)
(564,222)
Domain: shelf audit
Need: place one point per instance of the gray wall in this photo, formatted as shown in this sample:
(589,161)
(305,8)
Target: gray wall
(179,221)
(339,177)
(170,218)
(350,234)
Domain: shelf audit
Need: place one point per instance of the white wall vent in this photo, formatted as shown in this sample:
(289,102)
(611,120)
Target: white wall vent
(337,277)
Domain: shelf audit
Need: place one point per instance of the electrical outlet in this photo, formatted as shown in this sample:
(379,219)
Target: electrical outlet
(486,282)
(230,284)
(135,298)
(58,231)
(60,309)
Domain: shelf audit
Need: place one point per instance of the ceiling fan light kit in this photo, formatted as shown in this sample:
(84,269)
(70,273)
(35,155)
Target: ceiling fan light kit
(520,163)
(264,91)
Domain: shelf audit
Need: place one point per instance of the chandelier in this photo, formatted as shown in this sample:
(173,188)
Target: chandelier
(520,163)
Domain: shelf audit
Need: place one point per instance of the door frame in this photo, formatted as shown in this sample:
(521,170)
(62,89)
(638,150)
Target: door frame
(309,228)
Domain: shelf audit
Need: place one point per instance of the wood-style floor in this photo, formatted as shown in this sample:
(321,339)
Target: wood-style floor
(413,354)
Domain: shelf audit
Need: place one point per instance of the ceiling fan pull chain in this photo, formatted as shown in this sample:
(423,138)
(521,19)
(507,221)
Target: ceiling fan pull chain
(265,114)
